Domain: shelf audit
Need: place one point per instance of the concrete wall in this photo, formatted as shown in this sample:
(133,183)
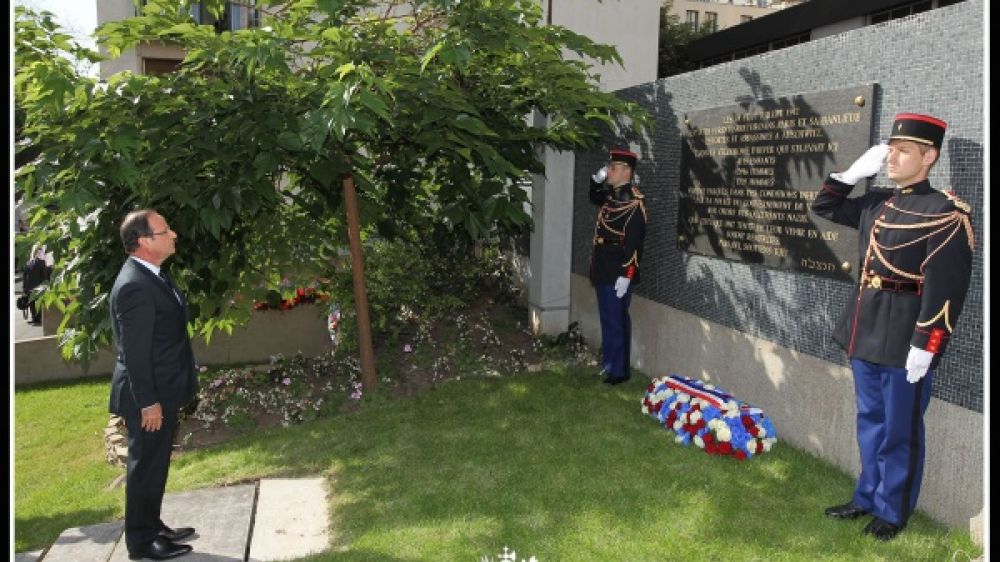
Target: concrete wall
(632,26)
(301,329)
(115,10)
(764,334)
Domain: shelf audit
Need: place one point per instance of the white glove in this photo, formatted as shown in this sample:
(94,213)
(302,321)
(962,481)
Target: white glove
(621,286)
(868,165)
(917,363)
(601,175)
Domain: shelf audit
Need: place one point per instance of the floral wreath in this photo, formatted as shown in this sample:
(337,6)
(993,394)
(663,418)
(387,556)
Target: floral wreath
(700,413)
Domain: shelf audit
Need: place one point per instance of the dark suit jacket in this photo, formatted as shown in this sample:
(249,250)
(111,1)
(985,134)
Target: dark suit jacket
(154,362)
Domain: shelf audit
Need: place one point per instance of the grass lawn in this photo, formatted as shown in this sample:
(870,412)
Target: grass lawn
(60,475)
(554,465)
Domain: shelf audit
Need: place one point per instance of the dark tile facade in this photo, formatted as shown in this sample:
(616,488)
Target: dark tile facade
(930,63)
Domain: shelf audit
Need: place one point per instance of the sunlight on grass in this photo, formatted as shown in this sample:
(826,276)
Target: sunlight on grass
(557,466)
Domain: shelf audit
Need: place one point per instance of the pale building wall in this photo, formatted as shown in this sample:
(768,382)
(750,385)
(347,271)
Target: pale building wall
(728,14)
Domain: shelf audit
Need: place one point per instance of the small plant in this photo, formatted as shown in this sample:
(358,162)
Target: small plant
(295,389)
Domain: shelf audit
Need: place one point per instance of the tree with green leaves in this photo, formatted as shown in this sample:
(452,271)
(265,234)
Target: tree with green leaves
(675,35)
(244,147)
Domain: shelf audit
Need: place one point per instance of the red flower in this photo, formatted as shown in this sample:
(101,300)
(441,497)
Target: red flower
(725,448)
(696,407)
(711,448)
(657,406)
(650,388)
(700,423)
(671,418)
(747,422)
(753,430)
(740,455)
(759,447)
(709,438)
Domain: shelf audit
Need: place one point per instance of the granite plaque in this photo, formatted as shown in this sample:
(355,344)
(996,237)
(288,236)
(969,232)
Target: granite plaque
(750,171)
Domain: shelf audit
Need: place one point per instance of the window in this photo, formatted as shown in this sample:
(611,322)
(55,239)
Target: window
(692,19)
(235,16)
(899,12)
(712,21)
(242,15)
(159,66)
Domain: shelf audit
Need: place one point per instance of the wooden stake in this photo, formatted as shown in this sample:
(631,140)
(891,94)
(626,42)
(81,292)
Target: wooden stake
(369,378)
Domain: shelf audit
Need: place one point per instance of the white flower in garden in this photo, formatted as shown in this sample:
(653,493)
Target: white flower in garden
(645,410)
(694,417)
(699,441)
(684,398)
(767,445)
(678,424)
(724,434)
(761,432)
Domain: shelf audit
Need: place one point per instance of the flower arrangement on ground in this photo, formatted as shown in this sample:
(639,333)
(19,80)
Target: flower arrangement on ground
(709,417)
(303,295)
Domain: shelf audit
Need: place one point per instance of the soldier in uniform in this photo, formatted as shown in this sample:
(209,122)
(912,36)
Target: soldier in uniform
(614,265)
(915,244)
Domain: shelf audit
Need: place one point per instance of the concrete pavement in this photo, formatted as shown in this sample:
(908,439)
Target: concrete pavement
(273,519)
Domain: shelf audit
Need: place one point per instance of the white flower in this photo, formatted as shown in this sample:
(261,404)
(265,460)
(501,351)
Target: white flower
(761,432)
(724,434)
(694,417)
(645,410)
(678,424)
(699,441)
(767,445)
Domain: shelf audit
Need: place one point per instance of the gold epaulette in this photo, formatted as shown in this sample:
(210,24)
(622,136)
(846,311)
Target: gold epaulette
(956,201)
(636,193)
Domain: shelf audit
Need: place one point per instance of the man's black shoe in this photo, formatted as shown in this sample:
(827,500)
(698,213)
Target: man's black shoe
(881,529)
(615,380)
(180,533)
(849,510)
(160,549)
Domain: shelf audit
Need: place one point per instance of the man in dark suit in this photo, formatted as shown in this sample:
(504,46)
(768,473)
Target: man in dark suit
(154,378)
(916,245)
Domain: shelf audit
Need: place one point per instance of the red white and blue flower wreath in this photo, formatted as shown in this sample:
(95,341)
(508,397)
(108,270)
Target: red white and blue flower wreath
(709,417)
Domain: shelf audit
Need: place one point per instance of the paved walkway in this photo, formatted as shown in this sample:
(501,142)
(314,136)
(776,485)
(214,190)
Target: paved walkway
(23,330)
(274,519)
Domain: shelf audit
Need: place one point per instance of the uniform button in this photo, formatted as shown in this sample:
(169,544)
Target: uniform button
(882,218)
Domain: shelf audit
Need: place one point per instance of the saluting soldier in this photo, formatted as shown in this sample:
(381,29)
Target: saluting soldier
(915,244)
(614,265)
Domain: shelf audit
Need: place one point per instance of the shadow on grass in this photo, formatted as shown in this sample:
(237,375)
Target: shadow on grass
(558,466)
(42,525)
